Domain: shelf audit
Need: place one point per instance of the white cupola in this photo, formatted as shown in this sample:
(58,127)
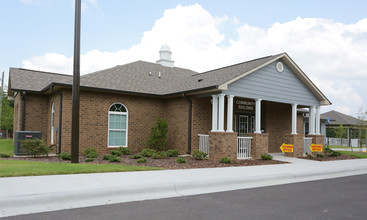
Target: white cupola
(165,56)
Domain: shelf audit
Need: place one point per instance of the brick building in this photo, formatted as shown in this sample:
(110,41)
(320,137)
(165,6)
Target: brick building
(118,106)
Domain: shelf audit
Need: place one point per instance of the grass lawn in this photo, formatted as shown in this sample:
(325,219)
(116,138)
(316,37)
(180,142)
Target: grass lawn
(6,147)
(355,154)
(9,168)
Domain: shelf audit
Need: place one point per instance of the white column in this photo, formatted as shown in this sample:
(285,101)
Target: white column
(221,113)
(311,123)
(215,113)
(258,116)
(294,119)
(317,120)
(229,113)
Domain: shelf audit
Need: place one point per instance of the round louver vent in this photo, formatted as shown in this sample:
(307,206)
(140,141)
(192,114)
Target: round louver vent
(280,67)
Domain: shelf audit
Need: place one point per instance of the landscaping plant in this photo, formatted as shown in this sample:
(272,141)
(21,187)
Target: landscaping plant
(90,152)
(89,160)
(181,160)
(157,139)
(225,160)
(114,159)
(172,153)
(199,155)
(115,152)
(65,156)
(266,157)
(148,152)
(159,155)
(141,160)
(34,147)
(124,150)
(136,156)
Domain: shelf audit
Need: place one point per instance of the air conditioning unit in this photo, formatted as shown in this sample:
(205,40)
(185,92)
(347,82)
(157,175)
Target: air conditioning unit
(23,135)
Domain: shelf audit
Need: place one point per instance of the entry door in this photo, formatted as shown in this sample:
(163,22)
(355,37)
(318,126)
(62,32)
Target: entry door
(242,125)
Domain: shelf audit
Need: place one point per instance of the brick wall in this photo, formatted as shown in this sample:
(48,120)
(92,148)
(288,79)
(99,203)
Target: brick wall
(222,144)
(17,113)
(318,139)
(201,119)
(259,144)
(297,141)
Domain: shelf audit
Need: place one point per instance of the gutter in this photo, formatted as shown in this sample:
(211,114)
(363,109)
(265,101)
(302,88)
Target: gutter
(60,117)
(189,123)
(23,111)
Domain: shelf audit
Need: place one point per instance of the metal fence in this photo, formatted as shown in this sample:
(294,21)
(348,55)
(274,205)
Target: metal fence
(244,148)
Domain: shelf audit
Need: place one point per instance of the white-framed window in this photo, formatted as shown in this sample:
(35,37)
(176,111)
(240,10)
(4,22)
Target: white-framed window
(117,125)
(52,122)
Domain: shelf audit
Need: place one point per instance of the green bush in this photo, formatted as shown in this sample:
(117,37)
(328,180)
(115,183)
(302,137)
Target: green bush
(309,155)
(124,150)
(181,160)
(115,152)
(334,154)
(141,160)
(4,155)
(320,155)
(136,156)
(89,160)
(114,159)
(65,156)
(159,155)
(266,157)
(106,157)
(199,155)
(172,153)
(328,150)
(90,152)
(157,139)
(225,160)
(34,147)
(148,152)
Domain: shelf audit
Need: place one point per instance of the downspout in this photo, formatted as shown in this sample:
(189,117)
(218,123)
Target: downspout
(60,117)
(23,111)
(190,124)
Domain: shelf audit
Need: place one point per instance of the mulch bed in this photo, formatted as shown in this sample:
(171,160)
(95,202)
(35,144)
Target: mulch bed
(328,158)
(167,163)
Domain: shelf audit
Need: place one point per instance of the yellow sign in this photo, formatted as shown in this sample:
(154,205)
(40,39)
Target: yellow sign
(287,148)
(316,147)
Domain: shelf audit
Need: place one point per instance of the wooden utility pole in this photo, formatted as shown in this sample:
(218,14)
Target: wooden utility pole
(76,88)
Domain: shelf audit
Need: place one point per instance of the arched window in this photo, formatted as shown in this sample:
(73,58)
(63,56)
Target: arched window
(52,122)
(117,125)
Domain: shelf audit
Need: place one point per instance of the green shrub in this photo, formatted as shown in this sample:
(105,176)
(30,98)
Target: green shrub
(115,152)
(266,157)
(65,156)
(114,159)
(4,155)
(34,147)
(89,160)
(199,155)
(159,155)
(172,153)
(181,160)
(309,155)
(136,156)
(90,152)
(141,160)
(334,154)
(106,157)
(147,152)
(225,160)
(157,139)
(124,150)
(320,155)
(328,150)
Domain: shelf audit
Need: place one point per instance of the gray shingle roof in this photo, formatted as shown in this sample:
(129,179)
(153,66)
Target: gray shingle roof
(337,118)
(134,77)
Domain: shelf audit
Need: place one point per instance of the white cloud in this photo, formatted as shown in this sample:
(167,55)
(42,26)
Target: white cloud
(332,54)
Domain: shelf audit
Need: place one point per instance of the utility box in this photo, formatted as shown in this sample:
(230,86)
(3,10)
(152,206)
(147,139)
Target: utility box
(23,135)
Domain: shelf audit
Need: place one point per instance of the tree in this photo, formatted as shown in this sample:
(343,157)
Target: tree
(7,114)
(157,139)
(340,133)
(362,126)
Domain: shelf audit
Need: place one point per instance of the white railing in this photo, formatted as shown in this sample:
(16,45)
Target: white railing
(204,143)
(307,141)
(244,148)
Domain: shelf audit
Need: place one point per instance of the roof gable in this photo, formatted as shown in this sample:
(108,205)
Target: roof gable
(337,118)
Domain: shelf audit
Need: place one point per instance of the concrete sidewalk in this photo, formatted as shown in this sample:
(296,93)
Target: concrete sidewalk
(24,195)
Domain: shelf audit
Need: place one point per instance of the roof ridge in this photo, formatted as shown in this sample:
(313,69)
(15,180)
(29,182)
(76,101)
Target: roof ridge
(237,64)
(39,71)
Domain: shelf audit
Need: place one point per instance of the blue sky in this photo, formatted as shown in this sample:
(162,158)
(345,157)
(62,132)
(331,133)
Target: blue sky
(38,34)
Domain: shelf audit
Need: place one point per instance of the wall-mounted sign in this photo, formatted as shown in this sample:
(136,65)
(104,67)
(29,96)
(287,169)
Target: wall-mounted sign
(244,105)
(287,148)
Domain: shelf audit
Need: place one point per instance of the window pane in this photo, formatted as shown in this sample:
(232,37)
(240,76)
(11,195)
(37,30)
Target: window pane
(117,108)
(117,121)
(117,138)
